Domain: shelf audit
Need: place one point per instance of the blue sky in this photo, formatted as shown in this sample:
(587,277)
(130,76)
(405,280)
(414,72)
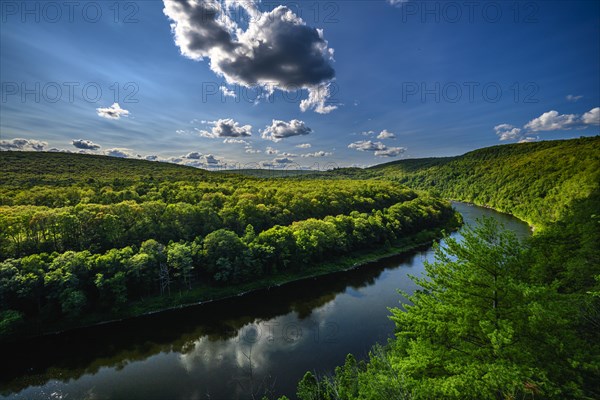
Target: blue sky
(429,78)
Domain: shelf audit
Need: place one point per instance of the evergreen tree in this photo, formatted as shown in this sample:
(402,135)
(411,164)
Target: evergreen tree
(477,328)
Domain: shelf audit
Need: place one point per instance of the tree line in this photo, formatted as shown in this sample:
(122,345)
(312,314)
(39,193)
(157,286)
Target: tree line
(183,211)
(49,287)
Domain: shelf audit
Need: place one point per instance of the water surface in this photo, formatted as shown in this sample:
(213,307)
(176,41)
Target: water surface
(262,342)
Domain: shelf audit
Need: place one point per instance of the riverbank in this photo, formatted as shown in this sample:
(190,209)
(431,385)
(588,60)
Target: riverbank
(204,293)
(532,227)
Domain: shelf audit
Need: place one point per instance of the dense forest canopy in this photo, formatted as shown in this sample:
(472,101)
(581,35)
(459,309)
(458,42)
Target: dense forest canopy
(536,182)
(87,234)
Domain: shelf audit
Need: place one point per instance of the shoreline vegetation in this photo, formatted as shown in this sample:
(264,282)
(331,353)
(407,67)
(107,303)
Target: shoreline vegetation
(198,295)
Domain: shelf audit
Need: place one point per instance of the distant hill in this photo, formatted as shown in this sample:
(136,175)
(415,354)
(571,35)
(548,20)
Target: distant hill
(269,173)
(533,181)
(26,169)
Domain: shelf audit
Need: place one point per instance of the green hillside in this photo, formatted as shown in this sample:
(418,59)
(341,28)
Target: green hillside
(533,181)
(26,169)
(497,318)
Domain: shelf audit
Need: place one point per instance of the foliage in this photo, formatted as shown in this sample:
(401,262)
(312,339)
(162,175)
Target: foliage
(536,182)
(488,324)
(75,240)
(496,318)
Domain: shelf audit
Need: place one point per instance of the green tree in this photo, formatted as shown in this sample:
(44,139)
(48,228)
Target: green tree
(309,388)
(179,258)
(226,255)
(113,290)
(73,303)
(10,321)
(477,328)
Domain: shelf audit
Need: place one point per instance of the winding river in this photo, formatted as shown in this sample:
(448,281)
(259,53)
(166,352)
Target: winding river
(257,343)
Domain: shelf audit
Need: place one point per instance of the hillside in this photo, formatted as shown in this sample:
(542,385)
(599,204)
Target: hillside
(533,181)
(27,169)
(455,341)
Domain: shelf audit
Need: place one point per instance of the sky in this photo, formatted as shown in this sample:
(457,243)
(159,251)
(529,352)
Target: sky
(296,84)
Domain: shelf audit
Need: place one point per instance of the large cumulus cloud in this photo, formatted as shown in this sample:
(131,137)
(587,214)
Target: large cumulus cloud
(276,50)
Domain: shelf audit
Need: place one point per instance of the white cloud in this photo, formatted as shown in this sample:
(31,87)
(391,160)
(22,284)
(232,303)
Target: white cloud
(276,50)
(592,117)
(283,160)
(198,160)
(271,151)
(573,98)
(120,152)
(552,121)
(235,141)
(379,149)
(390,152)
(210,159)
(20,144)
(227,92)
(317,98)
(317,154)
(251,150)
(548,121)
(528,139)
(397,3)
(367,145)
(279,130)
(385,134)
(226,128)
(304,146)
(507,131)
(85,144)
(193,155)
(113,112)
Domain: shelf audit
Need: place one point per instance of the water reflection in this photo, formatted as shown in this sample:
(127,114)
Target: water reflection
(256,344)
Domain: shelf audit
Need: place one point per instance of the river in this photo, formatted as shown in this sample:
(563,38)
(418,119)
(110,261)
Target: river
(263,341)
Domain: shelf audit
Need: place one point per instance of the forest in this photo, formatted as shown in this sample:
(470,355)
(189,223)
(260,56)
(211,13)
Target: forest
(496,318)
(79,240)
